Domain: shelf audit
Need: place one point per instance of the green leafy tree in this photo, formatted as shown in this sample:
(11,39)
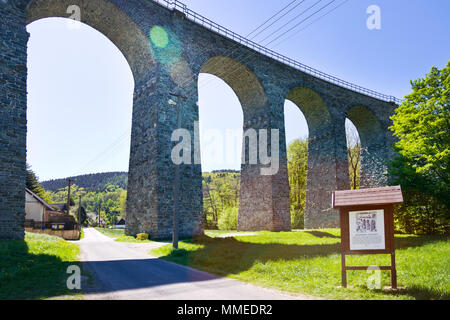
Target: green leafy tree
(123,204)
(422,125)
(32,184)
(354,165)
(82,216)
(354,151)
(297,168)
(221,199)
(228,219)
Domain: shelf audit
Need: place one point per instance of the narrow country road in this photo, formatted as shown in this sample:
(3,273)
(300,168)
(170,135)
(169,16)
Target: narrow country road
(125,271)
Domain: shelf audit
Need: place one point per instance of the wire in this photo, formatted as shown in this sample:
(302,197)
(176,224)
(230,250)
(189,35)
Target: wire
(277,19)
(290,21)
(298,24)
(112,146)
(228,73)
(245,59)
(267,21)
(233,48)
(322,16)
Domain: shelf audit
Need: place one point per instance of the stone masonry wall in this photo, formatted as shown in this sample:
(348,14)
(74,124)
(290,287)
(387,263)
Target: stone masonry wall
(13,103)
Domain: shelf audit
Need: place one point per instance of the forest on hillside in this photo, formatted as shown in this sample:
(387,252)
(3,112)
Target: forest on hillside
(90,182)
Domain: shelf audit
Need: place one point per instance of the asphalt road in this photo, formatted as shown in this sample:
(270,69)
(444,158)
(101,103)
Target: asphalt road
(125,271)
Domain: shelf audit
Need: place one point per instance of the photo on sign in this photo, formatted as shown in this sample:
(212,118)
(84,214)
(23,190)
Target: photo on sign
(366,223)
(367,230)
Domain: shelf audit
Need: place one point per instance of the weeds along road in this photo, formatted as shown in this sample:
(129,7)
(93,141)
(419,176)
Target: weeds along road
(125,271)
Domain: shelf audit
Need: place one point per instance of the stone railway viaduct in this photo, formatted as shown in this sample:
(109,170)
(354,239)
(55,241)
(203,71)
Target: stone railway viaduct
(166,51)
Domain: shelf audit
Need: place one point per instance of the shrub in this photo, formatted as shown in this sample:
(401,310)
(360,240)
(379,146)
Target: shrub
(228,219)
(297,218)
(421,214)
(142,236)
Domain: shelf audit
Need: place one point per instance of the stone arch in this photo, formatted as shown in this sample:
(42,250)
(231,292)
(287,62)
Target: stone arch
(113,22)
(314,108)
(373,143)
(260,207)
(322,162)
(110,20)
(242,80)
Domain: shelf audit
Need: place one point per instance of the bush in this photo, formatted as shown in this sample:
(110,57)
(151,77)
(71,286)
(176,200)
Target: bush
(228,219)
(421,214)
(142,237)
(297,218)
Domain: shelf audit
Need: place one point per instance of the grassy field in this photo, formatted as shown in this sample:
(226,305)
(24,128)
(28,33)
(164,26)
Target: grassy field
(310,262)
(36,268)
(119,235)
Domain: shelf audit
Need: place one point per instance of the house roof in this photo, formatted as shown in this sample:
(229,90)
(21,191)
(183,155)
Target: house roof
(45,204)
(375,196)
(60,206)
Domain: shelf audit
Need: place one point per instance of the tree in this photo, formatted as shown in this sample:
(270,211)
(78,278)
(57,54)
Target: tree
(123,204)
(83,215)
(422,125)
(354,165)
(354,154)
(221,199)
(32,184)
(297,167)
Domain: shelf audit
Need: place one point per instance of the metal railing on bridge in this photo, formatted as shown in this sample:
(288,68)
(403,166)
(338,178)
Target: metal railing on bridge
(215,27)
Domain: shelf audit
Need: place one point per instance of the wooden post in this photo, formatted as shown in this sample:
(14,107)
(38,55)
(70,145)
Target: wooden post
(393,272)
(344,271)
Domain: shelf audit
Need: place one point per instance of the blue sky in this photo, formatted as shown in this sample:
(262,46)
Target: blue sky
(81,87)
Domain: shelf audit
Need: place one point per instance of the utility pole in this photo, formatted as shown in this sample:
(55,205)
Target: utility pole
(79,212)
(68,195)
(176,185)
(176,188)
(99,212)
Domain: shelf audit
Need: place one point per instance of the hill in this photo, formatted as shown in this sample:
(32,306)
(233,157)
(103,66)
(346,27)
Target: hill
(98,181)
(90,182)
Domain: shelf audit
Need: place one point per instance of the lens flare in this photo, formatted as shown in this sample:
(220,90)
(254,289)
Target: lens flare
(159,37)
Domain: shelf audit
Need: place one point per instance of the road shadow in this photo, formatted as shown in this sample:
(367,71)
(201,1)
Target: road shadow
(123,275)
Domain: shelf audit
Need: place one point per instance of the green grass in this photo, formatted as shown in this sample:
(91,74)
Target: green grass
(119,236)
(36,268)
(310,262)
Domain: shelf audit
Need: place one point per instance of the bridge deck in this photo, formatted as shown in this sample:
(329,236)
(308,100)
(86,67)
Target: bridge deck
(215,27)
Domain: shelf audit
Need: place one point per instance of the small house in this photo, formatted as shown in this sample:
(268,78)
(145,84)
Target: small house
(35,207)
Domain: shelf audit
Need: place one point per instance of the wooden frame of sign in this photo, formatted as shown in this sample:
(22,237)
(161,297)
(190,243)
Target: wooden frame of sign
(367,225)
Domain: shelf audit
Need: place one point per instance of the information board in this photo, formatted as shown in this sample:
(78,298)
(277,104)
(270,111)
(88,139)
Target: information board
(367,230)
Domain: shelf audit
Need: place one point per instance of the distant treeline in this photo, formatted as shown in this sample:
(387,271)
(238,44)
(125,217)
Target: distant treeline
(226,171)
(90,182)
